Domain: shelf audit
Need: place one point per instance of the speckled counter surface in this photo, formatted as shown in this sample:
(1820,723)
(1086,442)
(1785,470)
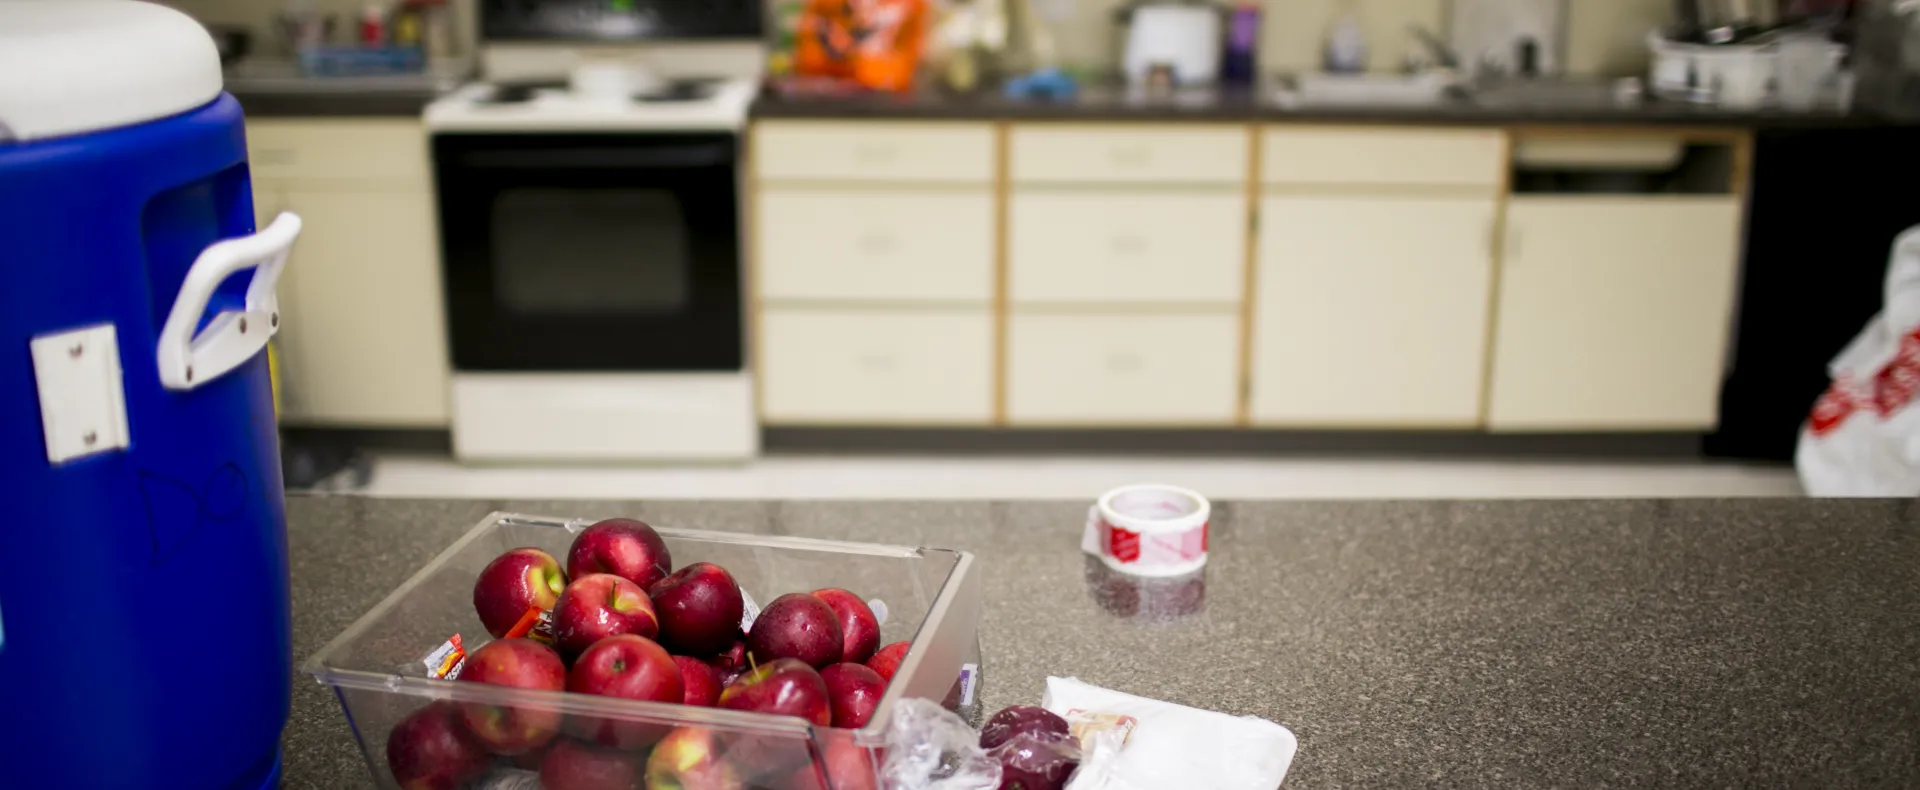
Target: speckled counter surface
(1408,644)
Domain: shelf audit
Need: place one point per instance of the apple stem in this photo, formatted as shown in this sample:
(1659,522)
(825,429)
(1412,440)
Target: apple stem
(752,665)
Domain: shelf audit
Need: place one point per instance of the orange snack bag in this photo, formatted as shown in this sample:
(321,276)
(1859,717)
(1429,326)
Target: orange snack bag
(876,43)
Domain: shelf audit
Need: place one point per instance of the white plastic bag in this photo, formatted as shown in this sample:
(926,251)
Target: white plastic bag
(931,748)
(1168,745)
(1863,438)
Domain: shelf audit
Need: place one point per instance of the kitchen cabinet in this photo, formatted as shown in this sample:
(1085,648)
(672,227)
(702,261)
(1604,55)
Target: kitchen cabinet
(1078,369)
(1614,312)
(864,152)
(1372,310)
(875,250)
(857,245)
(1125,154)
(881,366)
(363,343)
(1350,157)
(1152,247)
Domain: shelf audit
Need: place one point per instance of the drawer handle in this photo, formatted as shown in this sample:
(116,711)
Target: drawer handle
(1132,157)
(1125,363)
(876,243)
(878,363)
(874,154)
(1129,244)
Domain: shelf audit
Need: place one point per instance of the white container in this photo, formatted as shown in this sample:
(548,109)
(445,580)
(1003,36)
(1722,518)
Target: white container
(1807,67)
(1183,37)
(1729,75)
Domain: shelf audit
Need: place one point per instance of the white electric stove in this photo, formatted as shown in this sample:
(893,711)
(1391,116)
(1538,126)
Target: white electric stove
(590,227)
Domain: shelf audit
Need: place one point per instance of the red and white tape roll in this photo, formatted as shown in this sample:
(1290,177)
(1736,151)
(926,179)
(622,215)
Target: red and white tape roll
(1149,530)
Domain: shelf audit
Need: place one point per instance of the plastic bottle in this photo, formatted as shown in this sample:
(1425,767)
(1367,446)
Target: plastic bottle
(1346,45)
(1241,65)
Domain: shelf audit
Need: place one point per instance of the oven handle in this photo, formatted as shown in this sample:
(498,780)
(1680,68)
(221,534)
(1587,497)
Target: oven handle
(668,157)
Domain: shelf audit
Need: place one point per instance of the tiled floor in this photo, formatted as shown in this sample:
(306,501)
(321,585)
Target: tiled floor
(895,477)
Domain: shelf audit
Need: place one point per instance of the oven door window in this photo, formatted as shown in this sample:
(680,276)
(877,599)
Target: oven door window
(610,253)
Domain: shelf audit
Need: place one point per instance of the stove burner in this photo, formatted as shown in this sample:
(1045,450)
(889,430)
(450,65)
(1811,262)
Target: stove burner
(670,92)
(680,91)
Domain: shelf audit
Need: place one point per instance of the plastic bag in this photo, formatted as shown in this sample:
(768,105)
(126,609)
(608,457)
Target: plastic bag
(1163,745)
(931,748)
(1863,438)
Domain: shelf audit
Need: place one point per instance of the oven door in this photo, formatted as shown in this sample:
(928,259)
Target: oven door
(591,252)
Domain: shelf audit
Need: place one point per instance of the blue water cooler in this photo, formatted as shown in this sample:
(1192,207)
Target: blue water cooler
(144,639)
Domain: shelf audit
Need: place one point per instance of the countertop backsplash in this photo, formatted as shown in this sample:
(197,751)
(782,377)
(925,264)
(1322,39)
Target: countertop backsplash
(1605,37)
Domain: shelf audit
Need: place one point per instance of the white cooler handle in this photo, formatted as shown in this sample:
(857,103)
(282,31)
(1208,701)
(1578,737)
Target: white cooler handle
(188,360)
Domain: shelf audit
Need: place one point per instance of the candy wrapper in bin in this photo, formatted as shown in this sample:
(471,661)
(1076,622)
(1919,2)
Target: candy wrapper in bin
(931,748)
(1135,743)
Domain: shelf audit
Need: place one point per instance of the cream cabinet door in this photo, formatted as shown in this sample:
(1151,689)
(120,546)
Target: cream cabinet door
(833,244)
(1163,247)
(880,366)
(1614,313)
(1123,370)
(363,342)
(1372,311)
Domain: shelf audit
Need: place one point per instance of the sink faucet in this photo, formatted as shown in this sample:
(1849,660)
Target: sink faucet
(1443,55)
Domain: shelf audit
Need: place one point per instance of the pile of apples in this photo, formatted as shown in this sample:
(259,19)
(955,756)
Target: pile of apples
(626,627)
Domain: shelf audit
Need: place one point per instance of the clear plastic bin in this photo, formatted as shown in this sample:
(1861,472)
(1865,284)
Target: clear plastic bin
(932,597)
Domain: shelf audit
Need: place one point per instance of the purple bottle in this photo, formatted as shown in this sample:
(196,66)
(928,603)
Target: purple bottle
(1240,66)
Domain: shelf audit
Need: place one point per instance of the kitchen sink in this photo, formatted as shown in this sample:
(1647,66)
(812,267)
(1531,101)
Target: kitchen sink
(1367,90)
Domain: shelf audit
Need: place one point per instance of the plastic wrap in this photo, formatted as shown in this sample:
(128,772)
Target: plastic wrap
(931,748)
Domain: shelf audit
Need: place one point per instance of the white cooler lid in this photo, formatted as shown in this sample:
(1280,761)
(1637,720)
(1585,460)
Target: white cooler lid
(74,66)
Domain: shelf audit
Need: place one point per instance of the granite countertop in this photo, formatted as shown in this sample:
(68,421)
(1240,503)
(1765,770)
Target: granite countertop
(268,88)
(1464,644)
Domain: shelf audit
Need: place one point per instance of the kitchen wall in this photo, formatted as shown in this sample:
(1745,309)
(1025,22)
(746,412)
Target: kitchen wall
(1605,36)
(259,15)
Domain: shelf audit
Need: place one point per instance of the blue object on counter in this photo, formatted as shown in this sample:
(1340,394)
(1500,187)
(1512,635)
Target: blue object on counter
(1049,83)
(361,61)
(147,641)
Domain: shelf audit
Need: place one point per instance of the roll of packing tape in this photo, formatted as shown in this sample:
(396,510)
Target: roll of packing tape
(1149,530)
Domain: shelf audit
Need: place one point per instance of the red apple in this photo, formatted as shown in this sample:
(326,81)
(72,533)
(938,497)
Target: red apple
(517,663)
(431,750)
(886,660)
(597,606)
(854,691)
(572,765)
(783,687)
(513,583)
(1037,761)
(847,766)
(1016,719)
(690,758)
(702,682)
(700,608)
(623,547)
(733,659)
(859,629)
(796,625)
(627,667)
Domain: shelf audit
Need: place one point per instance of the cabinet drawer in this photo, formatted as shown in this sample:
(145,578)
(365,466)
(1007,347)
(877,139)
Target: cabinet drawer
(811,151)
(1123,369)
(1169,248)
(827,244)
(1152,154)
(1384,157)
(378,150)
(876,367)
